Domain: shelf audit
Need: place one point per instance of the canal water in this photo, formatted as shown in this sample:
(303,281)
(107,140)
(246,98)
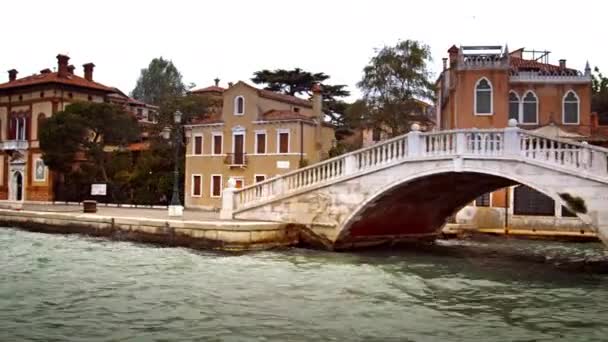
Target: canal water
(74,288)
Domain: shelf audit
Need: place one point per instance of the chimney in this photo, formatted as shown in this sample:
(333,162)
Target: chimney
(62,65)
(230,84)
(45,71)
(562,64)
(71,69)
(217,81)
(88,71)
(445,63)
(12,75)
(453,51)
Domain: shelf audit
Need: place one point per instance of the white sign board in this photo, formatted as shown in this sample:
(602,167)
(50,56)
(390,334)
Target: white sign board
(281,164)
(98,189)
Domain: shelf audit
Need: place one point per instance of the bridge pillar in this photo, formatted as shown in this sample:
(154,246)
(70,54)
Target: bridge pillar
(227,211)
(511,139)
(350,164)
(414,141)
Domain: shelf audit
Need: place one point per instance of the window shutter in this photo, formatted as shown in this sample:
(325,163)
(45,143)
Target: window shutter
(261,143)
(283,142)
(12,129)
(217,184)
(196,191)
(28,127)
(198,145)
(217,144)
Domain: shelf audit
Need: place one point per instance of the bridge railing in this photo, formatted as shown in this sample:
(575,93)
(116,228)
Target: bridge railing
(508,142)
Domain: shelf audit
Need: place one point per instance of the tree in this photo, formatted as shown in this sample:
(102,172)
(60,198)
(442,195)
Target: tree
(159,82)
(85,128)
(599,99)
(299,82)
(394,82)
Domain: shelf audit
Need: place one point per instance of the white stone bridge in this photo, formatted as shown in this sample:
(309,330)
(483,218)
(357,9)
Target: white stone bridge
(407,187)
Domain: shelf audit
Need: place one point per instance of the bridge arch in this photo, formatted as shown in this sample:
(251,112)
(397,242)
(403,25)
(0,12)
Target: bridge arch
(420,204)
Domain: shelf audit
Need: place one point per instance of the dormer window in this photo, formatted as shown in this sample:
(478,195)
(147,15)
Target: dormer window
(239,105)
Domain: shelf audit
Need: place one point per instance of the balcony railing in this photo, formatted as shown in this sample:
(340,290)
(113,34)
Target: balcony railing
(236,159)
(14,145)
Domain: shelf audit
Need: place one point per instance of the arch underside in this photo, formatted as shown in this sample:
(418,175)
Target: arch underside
(419,207)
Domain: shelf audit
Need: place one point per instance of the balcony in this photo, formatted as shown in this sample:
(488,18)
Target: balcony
(11,145)
(548,77)
(236,160)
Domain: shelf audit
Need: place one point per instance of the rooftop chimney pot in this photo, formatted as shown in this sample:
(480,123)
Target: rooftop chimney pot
(12,75)
(88,71)
(45,71)
(62,65)
(217,81)
(562,64)
(71,69)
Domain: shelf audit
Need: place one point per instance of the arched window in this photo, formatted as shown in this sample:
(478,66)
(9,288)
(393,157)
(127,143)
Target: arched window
(483,97)
(239,105)
(514,106)
(530,108)
(570,109)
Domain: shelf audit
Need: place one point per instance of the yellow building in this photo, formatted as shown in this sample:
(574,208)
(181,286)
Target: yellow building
(255,135)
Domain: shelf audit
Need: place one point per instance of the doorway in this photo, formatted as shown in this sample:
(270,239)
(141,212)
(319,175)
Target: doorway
(239,149)
(17,186)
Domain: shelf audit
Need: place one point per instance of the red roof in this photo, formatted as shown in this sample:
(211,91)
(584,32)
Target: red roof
(53,77)
(520,63)
(209,89)
(209,120)
(284,115)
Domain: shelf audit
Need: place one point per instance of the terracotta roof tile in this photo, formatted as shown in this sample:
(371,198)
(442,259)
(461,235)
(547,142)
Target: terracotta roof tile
(209,120)
(209,90)
(53,77)
(524,64)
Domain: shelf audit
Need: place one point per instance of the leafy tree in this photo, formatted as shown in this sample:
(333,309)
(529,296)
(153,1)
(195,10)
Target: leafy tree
(599,99)
(85,129)
(299,82)
(394,82)
(159,82)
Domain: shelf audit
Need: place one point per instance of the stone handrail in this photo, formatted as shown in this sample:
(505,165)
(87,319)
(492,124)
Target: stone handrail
(510,142)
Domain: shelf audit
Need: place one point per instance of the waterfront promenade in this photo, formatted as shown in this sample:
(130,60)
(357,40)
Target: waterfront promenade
(195,229)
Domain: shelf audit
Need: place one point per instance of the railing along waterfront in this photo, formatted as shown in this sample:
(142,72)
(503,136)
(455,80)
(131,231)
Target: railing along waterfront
(511,142)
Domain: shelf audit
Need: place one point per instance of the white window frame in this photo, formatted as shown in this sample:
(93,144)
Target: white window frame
(211,184)
(279,132)
(260,132)
(578,108)
(213,135)
(491,97)
(20,123)
(194,144)
(192,185)
(519,105)
(36,179)
(236,107)
(259,175)
(521,110)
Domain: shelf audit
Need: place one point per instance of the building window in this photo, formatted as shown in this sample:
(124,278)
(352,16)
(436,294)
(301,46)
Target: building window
(217,144)
(239,105)
(527,201)
(197,185)
(41,94)
(602,119)
(41,118)
(483,200)
(514,106)
(18,128)
(198,145)
(376,134)
(216,185)
(296,110)
(140,114)
(571,109)
(530,108)
(483,97)
(70,95)
(282,141)
(260,143)
(240,182)
(259,178)
(90,98)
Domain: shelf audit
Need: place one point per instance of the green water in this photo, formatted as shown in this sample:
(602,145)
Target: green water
(73,288)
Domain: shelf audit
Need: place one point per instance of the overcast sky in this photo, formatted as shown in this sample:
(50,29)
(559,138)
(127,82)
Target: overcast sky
(232,39)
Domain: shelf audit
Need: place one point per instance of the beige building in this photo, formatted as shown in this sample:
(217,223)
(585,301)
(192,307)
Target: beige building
(255,135)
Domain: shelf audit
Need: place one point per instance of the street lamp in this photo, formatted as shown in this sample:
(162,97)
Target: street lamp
(175,207)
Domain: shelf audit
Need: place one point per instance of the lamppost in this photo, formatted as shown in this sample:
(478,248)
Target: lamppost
(175,207)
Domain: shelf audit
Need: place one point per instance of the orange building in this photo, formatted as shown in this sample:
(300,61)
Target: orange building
(485,86)
(25,102)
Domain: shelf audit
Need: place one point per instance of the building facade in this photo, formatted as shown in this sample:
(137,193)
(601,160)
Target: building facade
(254,135)
(485,87)
(24,104)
